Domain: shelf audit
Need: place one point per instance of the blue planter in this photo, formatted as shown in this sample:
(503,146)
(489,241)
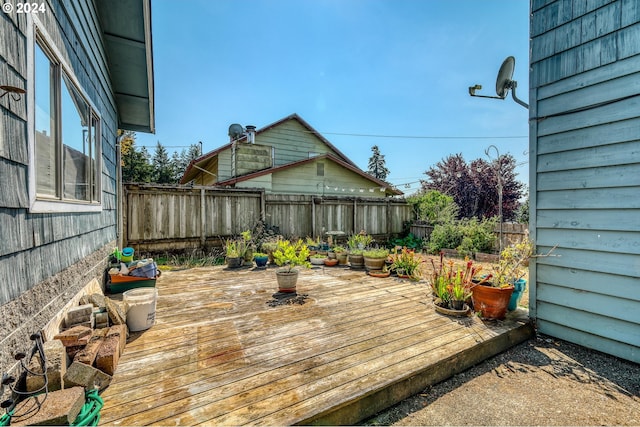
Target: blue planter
(261,261)
(520,286)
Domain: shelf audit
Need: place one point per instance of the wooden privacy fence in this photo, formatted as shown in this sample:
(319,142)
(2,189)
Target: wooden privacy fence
(158,217)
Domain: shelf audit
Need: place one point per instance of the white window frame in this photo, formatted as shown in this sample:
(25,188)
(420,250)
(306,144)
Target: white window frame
(46,205)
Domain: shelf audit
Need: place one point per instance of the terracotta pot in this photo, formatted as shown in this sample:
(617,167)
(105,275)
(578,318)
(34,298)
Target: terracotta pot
(331,262)
(287,280)
(491,302)
(379,273)
(373,263)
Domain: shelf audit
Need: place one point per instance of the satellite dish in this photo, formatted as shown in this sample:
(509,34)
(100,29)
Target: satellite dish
(504,83)
(505,76)
(236,131)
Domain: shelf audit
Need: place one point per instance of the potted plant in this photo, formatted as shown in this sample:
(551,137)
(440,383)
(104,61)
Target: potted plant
(492,294)
(331,262)
(356,259)
(451,287)
(317,259)
(374,258)
(406,264)
(246,246)
(233,258)
(261,259)
(269,248)
(382,273)
(289,255)
(341,254)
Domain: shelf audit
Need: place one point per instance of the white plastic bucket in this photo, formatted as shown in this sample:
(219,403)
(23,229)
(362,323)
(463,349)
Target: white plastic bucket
(140,306)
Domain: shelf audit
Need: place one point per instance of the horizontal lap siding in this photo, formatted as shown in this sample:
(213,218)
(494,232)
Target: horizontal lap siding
(292,142)
(586,121)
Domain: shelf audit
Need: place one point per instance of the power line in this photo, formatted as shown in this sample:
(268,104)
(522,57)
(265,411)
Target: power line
(370,135)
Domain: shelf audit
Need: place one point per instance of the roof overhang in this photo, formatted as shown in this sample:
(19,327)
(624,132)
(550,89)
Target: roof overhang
(126,29)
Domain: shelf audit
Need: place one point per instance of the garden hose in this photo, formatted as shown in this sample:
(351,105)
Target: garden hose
(89,414)
(5,419)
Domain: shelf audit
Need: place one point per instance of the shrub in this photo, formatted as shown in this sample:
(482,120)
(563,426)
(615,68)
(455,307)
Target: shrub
(445,236)
(478,236)
(434,207)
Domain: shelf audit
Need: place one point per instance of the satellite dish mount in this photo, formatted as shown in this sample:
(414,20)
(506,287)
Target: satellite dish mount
(504,83)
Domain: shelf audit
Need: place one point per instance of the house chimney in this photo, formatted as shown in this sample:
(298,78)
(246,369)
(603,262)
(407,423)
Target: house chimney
(251,134)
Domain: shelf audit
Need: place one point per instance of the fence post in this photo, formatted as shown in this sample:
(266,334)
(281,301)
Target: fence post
(355,216)
(203,238)
(313,218)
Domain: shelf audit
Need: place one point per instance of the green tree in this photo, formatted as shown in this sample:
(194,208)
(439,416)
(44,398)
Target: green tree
(163,168)
(135,165)
(377,164)
(434,207)
(523,212)
(181,160)
(474,186)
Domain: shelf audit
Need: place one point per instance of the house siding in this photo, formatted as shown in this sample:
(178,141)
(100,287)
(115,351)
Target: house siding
(585,172)
(45,258)
(304,179)
(292,142)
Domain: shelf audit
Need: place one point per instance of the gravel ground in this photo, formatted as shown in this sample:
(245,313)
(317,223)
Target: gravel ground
(542,381)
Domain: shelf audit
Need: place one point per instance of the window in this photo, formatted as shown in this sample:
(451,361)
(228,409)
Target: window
(320,169)
(67,135)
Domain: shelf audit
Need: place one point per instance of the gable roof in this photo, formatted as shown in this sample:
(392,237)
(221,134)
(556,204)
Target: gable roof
(192,169)
(327,156)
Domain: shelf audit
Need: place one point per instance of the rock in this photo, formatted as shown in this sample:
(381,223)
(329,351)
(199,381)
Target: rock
(80,374)
(78,335)
(57,360)
(60,407)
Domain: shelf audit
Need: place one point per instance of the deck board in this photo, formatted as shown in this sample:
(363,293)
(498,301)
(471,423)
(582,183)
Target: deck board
(220,355)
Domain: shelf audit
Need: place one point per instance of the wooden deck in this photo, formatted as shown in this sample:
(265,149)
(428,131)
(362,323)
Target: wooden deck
(220,355)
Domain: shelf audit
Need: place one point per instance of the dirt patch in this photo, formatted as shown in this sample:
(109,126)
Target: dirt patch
(542,381)
(287,298)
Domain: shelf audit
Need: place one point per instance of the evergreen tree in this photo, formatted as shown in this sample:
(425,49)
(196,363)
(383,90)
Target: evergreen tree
(163,168)
(135,165)
(377,164)
(181,160)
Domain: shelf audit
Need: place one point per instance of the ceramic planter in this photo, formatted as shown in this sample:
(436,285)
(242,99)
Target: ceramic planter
(342,258)
(374,263)
(261,261)
(316,261)
(287,280)
(234,262)
(491,302)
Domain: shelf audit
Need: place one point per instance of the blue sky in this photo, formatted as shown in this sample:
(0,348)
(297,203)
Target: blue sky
(391,68)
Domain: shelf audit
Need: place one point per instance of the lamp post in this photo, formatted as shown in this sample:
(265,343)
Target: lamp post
(499,178)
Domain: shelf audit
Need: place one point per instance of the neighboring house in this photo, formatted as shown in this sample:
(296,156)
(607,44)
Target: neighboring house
(285,157)
(87,70)
(585,172)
